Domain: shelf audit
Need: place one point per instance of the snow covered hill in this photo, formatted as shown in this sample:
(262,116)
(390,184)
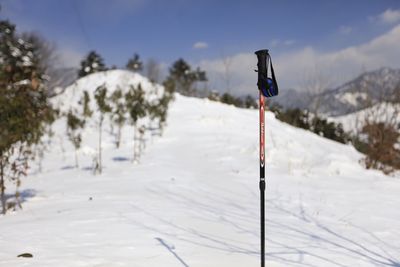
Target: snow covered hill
(112,79)
(383,112)
(193,200)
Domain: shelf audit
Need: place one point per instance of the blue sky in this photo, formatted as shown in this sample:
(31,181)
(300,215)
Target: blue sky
(204,32)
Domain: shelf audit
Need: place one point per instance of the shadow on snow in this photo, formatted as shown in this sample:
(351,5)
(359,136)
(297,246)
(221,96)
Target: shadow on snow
(304,240)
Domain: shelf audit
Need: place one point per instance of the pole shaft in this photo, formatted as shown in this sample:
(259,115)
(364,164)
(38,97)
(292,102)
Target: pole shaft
(262,206)
(262,176)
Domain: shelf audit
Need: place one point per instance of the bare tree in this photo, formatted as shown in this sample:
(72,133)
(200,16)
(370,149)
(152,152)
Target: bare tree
(385,108)
(49,58)
(381,152)
(227,75)
(314,84)
(153,70)
(379,129)
(46,50)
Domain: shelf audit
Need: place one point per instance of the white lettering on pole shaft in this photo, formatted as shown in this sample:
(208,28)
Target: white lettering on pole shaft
(262,132)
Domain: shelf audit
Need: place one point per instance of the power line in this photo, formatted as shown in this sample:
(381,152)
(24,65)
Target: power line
(81,24)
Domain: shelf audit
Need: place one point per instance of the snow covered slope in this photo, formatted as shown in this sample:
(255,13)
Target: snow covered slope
(194,201)
(382,112)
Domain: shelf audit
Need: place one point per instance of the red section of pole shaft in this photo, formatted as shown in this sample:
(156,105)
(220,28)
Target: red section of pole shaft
(262,177)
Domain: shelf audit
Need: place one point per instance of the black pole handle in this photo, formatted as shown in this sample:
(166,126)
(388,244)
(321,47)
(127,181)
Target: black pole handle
(268,86)
(262,59)
(262,56)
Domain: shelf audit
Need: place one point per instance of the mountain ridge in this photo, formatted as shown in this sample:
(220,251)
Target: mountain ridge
(367,89)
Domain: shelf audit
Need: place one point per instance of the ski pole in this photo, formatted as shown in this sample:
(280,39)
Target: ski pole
(267,88)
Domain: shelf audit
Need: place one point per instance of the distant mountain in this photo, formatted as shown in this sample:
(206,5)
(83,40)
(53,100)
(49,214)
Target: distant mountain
(291,98)
(366,90)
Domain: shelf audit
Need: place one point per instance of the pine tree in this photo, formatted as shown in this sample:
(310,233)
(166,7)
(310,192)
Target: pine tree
(184,78)
(157,112)
(136,107)
(181,73)
(74,125)
(135,64)
(231,100)
(200,75)
(24,109)
(250,102)
(86,111)
(295,117)
(91,64)
(158,108)
(214,96)
(163,110)
(42,145)
(118,113)
(103,107)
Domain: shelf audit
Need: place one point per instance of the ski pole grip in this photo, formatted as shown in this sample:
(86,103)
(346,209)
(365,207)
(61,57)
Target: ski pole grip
(262,60)
(262,66)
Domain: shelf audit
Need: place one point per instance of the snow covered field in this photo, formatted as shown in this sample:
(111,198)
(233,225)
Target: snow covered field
(194,200)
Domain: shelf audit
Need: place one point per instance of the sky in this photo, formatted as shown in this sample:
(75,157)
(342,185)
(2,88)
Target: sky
(339,39)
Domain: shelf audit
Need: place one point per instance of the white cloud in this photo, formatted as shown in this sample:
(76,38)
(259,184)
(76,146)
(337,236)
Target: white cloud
(292,68)
(200,45)
(345,30)
(289,42)
(389,16)
(277,42)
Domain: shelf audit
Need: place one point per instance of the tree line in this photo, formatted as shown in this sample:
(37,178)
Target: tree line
(377,139)
(25,112)
(122,107)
